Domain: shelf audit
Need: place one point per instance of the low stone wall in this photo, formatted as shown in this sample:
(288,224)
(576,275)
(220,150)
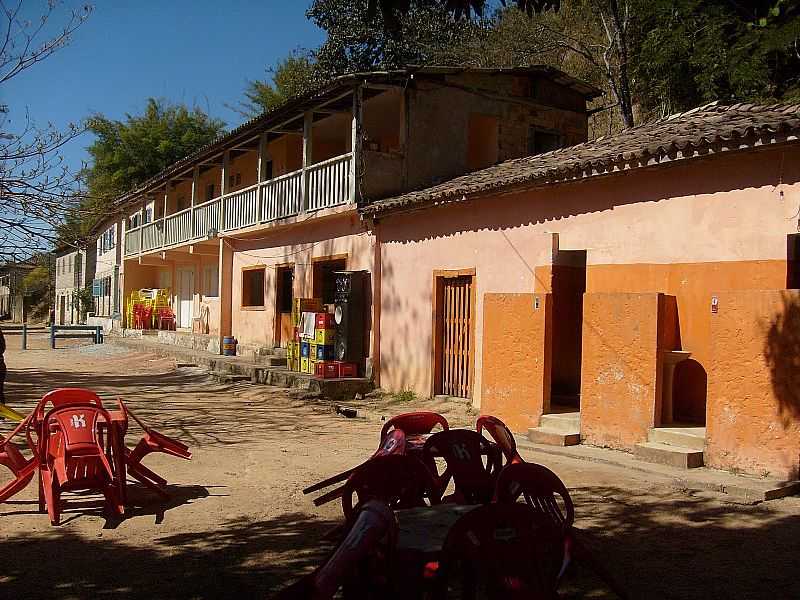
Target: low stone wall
(193,341)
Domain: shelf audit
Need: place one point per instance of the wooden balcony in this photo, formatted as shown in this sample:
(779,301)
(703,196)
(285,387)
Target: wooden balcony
(327,184)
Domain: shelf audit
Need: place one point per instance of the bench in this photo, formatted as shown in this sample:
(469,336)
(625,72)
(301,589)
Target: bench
(75,331)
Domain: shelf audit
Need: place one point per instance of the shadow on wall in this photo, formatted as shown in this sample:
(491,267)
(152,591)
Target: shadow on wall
(782,353)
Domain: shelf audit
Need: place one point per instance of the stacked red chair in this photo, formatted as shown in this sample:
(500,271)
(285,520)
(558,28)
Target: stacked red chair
(472,462)
(72,457)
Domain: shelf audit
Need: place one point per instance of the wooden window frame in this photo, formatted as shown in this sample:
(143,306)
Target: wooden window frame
(318,259)
(263,306)
(436,340)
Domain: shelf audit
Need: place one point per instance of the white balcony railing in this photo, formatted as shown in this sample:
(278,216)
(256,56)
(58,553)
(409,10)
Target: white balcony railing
(327,185)
(132,241)
(178,227)
(206,218)
(153,235)
(241,208)
(282,197)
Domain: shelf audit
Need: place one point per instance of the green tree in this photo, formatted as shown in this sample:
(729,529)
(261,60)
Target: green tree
(359,38)
(290,77)
(128,152)
(696,51)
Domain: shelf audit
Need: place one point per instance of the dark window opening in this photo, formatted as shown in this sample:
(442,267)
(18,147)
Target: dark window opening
(209,192)
(543,141)
(253,288)
(268,169)
(325,279)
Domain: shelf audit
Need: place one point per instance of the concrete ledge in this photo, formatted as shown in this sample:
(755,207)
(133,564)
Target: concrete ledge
(236,368)
(539,435)
(746,489)
(664,454)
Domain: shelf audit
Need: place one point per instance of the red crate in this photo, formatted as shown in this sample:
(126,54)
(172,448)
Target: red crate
(347,369)
(324,321)
(326,369)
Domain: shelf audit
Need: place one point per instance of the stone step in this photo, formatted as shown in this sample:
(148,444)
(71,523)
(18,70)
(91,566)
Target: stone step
(552,437)
(673,456)
(274,361)
(693,438)
(564,422)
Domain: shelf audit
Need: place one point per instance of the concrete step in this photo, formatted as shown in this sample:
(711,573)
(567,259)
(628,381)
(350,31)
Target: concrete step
(673,456)
(552,437)
(568,422)
(274,361)
(693,438)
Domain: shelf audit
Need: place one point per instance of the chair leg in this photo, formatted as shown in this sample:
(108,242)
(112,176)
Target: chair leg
(51,496)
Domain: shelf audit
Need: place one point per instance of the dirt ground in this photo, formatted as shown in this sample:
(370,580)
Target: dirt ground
(237,523)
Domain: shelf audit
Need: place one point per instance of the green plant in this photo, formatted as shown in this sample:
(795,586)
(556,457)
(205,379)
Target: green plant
(83,299)
(405,395)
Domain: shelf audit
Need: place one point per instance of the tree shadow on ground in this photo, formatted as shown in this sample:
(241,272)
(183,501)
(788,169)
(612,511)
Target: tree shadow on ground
(656,546)
(240,559)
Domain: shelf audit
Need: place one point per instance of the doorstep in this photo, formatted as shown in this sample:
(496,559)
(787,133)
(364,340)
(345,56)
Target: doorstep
(747,489)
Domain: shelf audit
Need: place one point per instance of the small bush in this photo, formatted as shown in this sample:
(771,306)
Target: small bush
(405,395)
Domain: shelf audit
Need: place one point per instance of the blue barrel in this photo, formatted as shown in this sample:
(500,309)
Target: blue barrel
(229,346)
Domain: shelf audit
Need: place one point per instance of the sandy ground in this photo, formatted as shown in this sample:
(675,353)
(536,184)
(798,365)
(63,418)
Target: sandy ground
(238,525)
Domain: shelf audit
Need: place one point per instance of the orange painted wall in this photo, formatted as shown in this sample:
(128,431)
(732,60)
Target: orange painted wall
(621,371)
(754,383)
(516,358)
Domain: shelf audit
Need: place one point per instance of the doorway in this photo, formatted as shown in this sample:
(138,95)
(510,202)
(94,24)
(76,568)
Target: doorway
(453,333)
(62,310)
(185,297)
(284,296)
(568,287)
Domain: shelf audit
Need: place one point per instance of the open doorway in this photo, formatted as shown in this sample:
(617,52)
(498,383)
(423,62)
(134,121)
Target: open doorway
(284,295)
(568,287)
(324,284)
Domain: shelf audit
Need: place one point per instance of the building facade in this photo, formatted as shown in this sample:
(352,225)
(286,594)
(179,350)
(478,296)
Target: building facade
(74,270)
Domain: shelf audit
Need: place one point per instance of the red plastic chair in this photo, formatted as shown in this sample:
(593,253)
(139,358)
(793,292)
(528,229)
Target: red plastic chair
(463,451)
(546,494)
(152,441)
(393,443)
(23,469)
(502,436)
(415,425)
(399,480)
(360,560)
(166,317)
(72,457)
(505,551)
(142,316)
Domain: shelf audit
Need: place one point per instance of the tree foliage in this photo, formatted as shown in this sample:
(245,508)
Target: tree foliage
(128,152)
(359,39)
(291,76)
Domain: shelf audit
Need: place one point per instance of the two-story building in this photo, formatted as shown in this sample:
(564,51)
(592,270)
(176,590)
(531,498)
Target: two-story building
(74,270)
(13,305)
(270,211)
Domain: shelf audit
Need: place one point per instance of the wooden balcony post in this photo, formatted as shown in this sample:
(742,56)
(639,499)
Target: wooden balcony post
(308,123)
(193,199)
(262,159)
(223,188)
(141,225)
(355,131)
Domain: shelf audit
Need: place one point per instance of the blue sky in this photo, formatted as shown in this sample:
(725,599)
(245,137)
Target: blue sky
(197,52)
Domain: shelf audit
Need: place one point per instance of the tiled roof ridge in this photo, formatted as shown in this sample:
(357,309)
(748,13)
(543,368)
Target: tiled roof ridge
(696,128)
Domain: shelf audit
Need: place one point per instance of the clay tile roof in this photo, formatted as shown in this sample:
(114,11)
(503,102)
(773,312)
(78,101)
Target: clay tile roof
(698,132)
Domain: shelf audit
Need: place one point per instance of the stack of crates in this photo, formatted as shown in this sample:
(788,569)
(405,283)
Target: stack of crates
(322,348)
(298,350)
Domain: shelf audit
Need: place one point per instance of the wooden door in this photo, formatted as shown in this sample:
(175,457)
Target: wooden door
(455,327)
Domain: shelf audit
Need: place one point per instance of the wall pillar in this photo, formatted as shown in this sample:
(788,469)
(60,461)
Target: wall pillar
(225,289)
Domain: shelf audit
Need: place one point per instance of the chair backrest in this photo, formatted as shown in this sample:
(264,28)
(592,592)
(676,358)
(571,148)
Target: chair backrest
(507,551)
(400,480)
(463,451)
(415,423)
(542,490)
(78,427)
(501,435)
(67,397)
